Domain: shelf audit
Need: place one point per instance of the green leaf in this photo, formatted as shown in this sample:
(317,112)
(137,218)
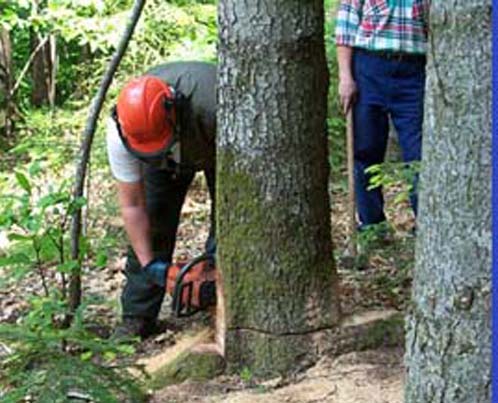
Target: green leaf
(109,356)
(86,356)
(374,169)
(101,260)
(68,267)
(34,169)
(23,182)
(15,259)
(52,199)
(77,204)
(126,349)
(33,223)
(400,197)
(21,148)
(19,237)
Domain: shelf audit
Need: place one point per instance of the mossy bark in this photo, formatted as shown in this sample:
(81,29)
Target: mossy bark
(384,330)
(188,366)
(448,330)
(274,236)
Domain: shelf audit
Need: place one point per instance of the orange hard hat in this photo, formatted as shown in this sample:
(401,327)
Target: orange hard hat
(146,121)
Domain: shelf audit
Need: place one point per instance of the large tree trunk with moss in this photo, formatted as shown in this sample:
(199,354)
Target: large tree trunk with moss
(274,236)
(449,336)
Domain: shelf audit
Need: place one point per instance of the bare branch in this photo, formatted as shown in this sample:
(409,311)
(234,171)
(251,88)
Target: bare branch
(27,66)
(97,103)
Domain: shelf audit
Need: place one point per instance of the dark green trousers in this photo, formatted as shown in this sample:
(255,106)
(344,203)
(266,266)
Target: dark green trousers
(165,194)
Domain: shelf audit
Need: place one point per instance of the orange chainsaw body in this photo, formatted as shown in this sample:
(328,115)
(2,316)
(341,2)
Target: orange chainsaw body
(192,285)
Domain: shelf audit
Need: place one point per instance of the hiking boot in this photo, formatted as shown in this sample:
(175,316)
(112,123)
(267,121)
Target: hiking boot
(131,328)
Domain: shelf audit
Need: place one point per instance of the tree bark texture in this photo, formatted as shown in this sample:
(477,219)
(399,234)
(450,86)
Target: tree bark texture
(43,72)
(6,109)
(449,337)
(273,222)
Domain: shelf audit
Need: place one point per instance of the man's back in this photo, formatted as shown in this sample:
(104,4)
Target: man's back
(196,81)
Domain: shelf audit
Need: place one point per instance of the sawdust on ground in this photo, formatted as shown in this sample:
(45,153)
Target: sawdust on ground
(374,376)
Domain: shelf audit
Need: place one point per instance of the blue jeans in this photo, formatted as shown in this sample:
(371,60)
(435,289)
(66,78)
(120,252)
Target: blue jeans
(386,87)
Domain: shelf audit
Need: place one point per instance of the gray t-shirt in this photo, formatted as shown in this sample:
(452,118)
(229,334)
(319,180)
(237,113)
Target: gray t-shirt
(196,81)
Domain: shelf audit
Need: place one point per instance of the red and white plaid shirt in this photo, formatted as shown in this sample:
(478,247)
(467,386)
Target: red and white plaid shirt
(395,25)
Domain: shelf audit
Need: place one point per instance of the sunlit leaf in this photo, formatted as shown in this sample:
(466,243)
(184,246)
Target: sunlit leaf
(23,182)
(19,237)
(68,267)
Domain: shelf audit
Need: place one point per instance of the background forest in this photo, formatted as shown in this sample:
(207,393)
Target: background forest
(52,57)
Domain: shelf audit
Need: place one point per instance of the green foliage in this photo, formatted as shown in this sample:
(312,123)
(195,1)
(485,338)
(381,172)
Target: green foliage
(168,32)
(49,363)
(390,173)
(88,31)
(74,31)
(50,138)
(374,235)
(246,375)
(336,121)
(36,223)
(49,360)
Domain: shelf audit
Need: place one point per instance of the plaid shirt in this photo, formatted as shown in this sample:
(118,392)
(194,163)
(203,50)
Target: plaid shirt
(397,25)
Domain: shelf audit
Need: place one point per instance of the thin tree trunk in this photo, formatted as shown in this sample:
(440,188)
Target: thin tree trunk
(52,61)
(95,108)
(42,72)
(6,106)
(43,67)
(449,333)
(275,249)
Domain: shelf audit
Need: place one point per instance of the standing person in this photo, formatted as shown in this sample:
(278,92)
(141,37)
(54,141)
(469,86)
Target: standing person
(161,133)
(381,47)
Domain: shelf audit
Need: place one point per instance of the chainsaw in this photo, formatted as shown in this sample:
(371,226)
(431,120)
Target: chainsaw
(192,285)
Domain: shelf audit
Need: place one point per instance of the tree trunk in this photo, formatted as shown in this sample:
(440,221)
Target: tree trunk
(449,336)
(274,236)
(44,65)
(6,109)
(43,72)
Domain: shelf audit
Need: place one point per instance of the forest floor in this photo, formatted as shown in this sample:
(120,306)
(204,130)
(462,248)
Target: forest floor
(374,376)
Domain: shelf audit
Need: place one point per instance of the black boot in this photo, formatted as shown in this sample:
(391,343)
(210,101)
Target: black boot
(133,327)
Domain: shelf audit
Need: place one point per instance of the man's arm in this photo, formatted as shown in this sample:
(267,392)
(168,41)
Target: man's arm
(347,84)
(347,23)
(131,198)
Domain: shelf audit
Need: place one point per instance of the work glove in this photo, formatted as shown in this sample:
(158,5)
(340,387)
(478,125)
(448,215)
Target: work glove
(156,271)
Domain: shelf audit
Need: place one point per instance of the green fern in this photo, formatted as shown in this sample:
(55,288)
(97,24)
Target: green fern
(48,363)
